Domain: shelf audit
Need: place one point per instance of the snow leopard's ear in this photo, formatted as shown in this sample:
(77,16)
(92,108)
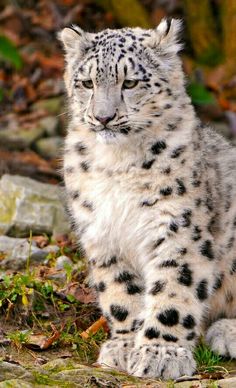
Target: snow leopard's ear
(165,37)
(75,40)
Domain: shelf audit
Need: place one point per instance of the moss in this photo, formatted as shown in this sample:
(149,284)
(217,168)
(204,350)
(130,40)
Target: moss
(8,207)
(45,380)
(51,105)
(59,365)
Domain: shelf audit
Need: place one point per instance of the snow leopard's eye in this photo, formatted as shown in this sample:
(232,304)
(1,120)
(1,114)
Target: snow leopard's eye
(129,84)
(88,84)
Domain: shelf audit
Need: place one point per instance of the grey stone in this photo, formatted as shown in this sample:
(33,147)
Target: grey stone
(26,204)
(51,249)
(59,364)
(16,383)
(49,147)
(10,370)
(50,125)
(58,277)
(51,105)
(206,383)
(20,138)
(16,252)
(61,261)
(227,383)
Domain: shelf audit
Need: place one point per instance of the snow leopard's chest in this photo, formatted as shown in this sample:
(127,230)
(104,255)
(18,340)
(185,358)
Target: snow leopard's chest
(117,203)
(125,214)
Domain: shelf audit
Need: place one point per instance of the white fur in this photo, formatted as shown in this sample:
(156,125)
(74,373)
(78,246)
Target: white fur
(118,206)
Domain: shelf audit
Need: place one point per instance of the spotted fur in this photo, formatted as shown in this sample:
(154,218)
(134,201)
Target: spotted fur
(152,194)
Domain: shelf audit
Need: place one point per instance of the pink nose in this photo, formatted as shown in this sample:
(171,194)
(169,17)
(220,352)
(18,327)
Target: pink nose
(104,120)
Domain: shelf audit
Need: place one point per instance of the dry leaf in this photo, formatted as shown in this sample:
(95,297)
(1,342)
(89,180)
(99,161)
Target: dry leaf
(80,292)
(41,241)
(41,341)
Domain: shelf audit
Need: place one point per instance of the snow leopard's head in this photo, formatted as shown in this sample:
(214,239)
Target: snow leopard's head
(122,82)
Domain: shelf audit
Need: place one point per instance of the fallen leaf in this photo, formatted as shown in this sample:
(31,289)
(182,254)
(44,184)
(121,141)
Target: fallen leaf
(41,341)
(27,161)
(41,241)
(80,292)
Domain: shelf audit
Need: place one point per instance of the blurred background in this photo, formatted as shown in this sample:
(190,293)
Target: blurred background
(32,111)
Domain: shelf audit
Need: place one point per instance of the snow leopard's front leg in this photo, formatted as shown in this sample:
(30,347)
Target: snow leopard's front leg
(120,297)
(177,290)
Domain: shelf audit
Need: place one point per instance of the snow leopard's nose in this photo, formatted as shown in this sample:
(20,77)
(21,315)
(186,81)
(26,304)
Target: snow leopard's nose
(105,119)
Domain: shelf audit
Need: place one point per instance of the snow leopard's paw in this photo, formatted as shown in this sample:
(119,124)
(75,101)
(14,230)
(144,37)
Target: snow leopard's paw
(114,353)
(221,337)
(168,362)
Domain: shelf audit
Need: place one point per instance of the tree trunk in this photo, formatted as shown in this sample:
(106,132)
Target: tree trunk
(228,13)
(130,13)
(202,30)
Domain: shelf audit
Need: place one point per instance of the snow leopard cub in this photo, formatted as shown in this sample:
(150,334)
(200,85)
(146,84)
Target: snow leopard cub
(151,193)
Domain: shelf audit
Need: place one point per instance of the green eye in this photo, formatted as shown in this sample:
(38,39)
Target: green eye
(88,84)
(129,84)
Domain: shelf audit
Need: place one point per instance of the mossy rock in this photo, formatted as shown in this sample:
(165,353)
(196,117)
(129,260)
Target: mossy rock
(26,204)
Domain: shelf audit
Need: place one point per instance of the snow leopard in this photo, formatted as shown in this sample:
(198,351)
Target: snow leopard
(151,192)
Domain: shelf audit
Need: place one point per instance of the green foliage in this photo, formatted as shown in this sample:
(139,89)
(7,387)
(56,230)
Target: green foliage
(206,358)
(68,269)
(9,53)
(19,338)
(19,287)
(14,287)
(170,384)
(211,57)
(199,94)
(87,350)
(70,298)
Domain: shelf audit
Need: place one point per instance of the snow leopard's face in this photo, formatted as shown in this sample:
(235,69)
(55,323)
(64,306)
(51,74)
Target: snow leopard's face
(119,81)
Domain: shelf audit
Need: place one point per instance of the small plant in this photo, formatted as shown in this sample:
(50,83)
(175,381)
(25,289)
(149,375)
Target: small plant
(69,270)
(170,384)
(14,287)
(213,384)
(206,359)
(19,338)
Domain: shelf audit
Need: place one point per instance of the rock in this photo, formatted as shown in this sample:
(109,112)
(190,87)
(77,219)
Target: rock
(58,277)
(4,340)
(10,370)
(49,147)
(20,138)
(61,261)
(16,383)
(51,105)
(30,205)
(206,383)
(59,364)
(51,249)
(16,252)
(50,125)
(227,383)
